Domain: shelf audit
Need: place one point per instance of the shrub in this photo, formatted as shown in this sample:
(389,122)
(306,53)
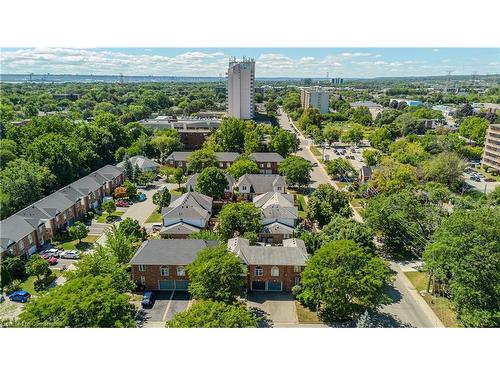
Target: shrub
(44,283)
(296,290)
(111,218)
(12,287)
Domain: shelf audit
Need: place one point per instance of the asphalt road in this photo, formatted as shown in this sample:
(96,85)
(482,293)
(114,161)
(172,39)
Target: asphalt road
(408,309)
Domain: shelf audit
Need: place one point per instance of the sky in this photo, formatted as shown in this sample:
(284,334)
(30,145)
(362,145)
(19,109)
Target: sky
(270,62)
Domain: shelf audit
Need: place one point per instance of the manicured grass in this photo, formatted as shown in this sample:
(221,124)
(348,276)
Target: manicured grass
(86,243)
(155,217)
(306,316)
(315,151)
(102,218)
(441,306)
(302,206)
(176,191)
(29,283)
(489,175)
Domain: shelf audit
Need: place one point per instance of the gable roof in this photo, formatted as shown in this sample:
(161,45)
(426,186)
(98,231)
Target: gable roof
(170,251)
(179,228)
(141,162)
(277,228)
(261,183)
(179,155)
(273,199)
(190,205)
(266,157)
(221,156)
(292,253)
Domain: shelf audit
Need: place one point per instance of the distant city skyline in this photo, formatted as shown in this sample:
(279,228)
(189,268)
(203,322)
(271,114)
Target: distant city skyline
(270,62)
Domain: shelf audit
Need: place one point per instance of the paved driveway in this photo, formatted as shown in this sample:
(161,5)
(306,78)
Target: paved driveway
(279,307)
(167,304)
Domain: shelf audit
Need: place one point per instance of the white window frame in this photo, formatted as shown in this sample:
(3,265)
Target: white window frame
(142,267)
(259,271)
(268,165)
(163,269)
(30,238)
(181,271)
(296,268)
(275,271)
(143,280)
(296,280)
(221,164)
(21,245)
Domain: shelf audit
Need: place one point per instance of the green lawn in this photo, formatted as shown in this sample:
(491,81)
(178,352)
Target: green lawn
(441,306)
(489,175)
(86,243)
(306,316)
(102,218)
(155,217)
(315,151)
(29,283)
(176,191)
(302,205)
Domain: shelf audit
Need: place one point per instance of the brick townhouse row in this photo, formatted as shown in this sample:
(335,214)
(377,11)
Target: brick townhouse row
(160,265)
(23,233)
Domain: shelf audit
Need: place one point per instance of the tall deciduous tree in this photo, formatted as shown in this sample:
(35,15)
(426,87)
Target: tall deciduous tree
(212,182)
(243,166)
(341,280)
(231,135)
(78,231)
(465,255)
(326,202)
(119,245)
(37,266)
(162,198)
(84,302)
(446,168)
(343,228)
(212,314)
(22,182)
(282,142)
(474,128)
(215,274)
(297,171)
(201,159)
(239,217)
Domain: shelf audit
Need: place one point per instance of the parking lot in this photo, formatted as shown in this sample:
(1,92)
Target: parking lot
(481,185)
(166,305)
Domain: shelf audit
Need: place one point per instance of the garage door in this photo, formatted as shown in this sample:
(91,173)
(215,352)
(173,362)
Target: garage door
(258,285)
(166,285)
(274,286)
(181,285)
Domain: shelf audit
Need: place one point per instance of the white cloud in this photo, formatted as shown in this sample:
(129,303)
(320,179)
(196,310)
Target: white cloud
(435,50)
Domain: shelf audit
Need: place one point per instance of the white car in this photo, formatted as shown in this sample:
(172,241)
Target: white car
(51,252)
(70,254)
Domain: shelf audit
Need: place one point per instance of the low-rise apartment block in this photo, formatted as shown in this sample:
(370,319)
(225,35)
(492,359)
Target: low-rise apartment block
(491,151)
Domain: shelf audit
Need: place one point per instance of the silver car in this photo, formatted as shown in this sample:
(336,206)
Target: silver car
(70,254)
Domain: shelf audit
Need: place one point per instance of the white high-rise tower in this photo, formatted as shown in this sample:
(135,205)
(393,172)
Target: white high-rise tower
(241,88)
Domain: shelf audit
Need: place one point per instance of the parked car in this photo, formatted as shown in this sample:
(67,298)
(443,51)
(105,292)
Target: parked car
(122,203)
(148,299)
(52,261)
(142,197)
(156,227)
(2,298)
(70,254)
(314,164)
(475,178)
(53,252)
(20,296)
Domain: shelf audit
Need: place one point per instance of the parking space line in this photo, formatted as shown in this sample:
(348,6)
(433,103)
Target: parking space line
(164,318)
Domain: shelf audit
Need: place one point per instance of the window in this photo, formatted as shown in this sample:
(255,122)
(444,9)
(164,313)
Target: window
(259,271)
(296,281)
(262,165)
(30,238)
(164,271)
(275,271)
(279,188)
(181,271)
(143,280)
(221,165)
(296,268)
(21,245)
(142,267)
(243,188)
(269,165)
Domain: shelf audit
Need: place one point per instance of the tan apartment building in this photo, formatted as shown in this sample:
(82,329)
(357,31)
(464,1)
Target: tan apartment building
(491,150)
(315,97)
(241,89)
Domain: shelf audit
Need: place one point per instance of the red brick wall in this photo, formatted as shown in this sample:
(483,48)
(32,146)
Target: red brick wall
(152,274)
(286,276)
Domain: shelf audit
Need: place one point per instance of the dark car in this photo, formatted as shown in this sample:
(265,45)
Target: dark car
(148,299)
(19,296)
